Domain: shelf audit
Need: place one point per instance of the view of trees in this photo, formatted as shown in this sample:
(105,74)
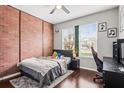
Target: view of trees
(68,39)
(69,42)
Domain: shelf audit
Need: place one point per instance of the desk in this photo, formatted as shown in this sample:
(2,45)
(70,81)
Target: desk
(113,77)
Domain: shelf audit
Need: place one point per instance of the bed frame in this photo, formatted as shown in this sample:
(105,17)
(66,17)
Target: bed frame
(66,53)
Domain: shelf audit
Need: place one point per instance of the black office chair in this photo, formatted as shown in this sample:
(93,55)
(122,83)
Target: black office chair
(99,64)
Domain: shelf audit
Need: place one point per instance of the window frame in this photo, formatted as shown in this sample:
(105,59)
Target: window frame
(74,29)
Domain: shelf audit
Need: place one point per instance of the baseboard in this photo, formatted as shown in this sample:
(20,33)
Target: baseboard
(10,76)
(89,69)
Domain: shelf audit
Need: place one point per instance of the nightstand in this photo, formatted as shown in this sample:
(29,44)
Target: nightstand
(75,64)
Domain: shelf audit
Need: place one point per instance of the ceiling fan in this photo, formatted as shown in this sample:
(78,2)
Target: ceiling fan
(60,7)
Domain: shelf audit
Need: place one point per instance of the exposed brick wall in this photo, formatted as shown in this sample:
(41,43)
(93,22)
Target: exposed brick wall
(9,40)
(31,36)
(47,38)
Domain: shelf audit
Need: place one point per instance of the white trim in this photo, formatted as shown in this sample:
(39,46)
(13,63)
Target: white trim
(88,68)
(10,76)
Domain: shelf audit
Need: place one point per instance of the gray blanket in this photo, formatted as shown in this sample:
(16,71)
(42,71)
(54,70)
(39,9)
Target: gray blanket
(44,70)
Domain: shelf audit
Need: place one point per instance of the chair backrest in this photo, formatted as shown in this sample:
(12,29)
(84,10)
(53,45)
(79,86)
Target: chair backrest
(98,62)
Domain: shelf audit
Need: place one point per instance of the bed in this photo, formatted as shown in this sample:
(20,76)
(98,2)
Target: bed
(44,69)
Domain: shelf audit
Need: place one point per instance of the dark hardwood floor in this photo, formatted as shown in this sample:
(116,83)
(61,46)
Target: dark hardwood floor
(81,78)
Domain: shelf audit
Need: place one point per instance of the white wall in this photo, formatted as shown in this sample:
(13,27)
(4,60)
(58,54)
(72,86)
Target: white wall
(121,34)
(104,44)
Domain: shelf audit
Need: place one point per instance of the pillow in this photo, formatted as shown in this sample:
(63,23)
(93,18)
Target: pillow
(55,54)
(62,56)
(59,55)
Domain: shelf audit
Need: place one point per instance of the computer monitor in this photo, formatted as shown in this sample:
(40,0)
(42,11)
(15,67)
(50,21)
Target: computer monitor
(122,53)
(121,50)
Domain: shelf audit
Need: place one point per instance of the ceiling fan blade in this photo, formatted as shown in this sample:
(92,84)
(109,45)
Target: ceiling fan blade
(53,10)
(65,10)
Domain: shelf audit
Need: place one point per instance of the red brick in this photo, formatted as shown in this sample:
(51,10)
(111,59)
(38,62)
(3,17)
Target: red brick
(47,38)
(9,40)
(31,36)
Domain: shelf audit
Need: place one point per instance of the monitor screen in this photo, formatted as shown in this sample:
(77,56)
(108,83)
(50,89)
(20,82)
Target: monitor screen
(122,53)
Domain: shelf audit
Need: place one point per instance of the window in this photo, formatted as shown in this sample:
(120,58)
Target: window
(87,38)
(80,39)
(68,39)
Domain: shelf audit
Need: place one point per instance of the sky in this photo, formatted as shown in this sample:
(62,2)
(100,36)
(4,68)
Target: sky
(89,30)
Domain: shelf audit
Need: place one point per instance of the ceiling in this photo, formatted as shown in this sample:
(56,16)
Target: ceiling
(42,11)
